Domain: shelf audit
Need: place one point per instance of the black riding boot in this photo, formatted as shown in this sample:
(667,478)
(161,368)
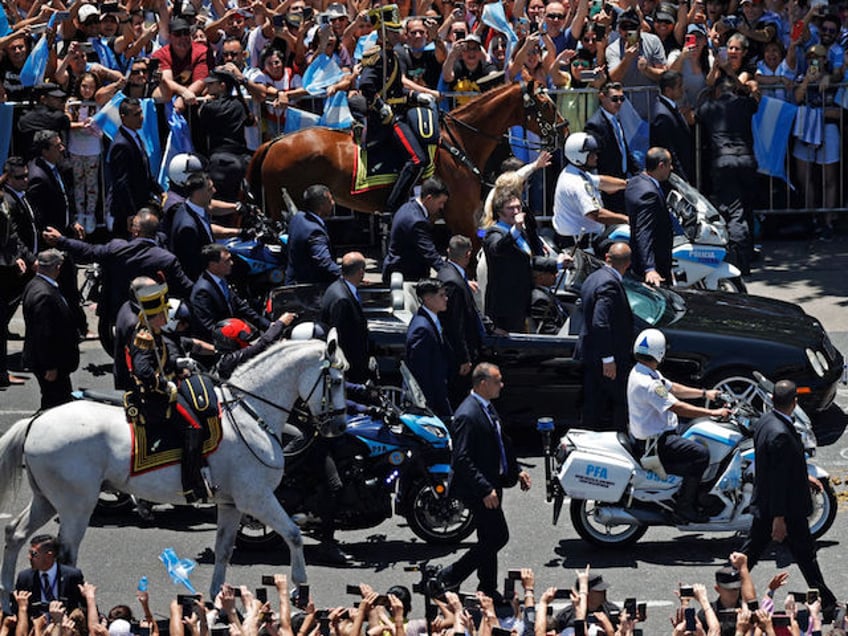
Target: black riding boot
(686,500)
(194,486)
(407,178)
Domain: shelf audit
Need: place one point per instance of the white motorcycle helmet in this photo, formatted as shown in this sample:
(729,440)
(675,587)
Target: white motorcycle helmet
(650,343)
(182,166)
(578,146)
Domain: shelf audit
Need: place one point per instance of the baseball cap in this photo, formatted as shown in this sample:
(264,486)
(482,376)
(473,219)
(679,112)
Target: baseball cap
(336,10)
(119,627)
(629,17)
(697,29)
(179,24)
(473,38)
(87,12)
(728,578)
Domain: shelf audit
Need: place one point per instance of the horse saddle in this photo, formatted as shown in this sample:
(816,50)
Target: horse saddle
(377,161)
(158,442)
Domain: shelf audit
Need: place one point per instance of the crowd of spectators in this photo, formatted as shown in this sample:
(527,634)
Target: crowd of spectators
(524,610)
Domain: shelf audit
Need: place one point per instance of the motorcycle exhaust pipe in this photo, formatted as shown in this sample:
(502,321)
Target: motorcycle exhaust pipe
(615,515)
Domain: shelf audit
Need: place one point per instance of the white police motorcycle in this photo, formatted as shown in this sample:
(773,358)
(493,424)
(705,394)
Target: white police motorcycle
(614,498)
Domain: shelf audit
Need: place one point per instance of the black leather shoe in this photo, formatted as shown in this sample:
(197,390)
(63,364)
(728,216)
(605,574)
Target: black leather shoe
(690,515)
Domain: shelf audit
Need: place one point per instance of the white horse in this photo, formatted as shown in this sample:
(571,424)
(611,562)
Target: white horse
(74,450)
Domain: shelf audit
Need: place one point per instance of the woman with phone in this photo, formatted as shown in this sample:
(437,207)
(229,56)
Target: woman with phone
(733,62)
(693,63)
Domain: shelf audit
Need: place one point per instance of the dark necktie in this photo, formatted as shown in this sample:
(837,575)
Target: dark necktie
(143,149)
(58,178)
(46,588)
(226,291)
(496,424)
(622,146)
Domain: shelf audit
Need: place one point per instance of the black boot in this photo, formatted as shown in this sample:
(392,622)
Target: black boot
(686,501)
(194,486)
(400,192)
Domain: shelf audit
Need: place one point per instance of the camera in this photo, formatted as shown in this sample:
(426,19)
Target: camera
(308,13)
(689,617)
(686,591)
(302,599)
(262,594)
(630,607)
(267,579)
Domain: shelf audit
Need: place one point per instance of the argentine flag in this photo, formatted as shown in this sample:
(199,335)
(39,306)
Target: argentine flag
(494,15)
(771,126)
(32,72)
(321,74)
(179,140)
(336,112)
(636,131)
(297,119)
(108,119)
(809,125)
(363,44)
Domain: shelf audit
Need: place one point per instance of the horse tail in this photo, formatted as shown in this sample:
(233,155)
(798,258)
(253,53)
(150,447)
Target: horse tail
(12,459)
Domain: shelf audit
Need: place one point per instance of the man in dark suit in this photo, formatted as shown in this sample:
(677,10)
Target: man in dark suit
(669,128)
(427,352)
(605,343)
(191,227)
(614,156)
(15,261)
(309,251)
(462,325)
(21,213)
(651,229)
(508,257)
(411,250)
(49,196)
(341,308)
(48,114)
(132,184)
(781,501)
(123,261)
(483,465)
(46,579)
(51,343)
(212,300)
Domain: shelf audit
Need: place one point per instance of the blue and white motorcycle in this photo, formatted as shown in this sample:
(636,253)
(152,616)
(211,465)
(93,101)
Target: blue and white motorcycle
(700,250)
(395,459)
(615,498)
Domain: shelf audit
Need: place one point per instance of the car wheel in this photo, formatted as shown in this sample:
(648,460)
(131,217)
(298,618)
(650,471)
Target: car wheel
(824,509)
(589,529)
(254,535)
(439,520)
(741,385)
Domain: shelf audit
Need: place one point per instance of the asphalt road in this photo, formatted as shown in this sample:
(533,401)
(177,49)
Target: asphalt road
(116,552)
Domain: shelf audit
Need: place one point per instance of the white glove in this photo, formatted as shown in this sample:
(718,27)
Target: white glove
(386,113)
(172,391)
(425,99)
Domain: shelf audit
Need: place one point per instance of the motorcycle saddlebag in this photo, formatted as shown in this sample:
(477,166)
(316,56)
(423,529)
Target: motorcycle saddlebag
(595,476)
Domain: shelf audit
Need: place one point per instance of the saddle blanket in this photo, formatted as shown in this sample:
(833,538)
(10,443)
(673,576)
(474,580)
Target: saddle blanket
(157,446)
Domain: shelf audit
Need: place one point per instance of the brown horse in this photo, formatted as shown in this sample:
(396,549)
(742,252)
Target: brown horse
(320,155)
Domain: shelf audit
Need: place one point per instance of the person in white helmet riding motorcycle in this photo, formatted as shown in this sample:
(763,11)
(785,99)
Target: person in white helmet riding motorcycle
(654,404)
(579,214)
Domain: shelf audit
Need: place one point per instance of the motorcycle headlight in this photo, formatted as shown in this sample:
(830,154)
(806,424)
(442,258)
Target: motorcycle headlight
(822,360)
(434,430)
(814,362)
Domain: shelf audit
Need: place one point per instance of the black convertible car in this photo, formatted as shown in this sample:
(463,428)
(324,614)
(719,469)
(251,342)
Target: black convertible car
(715,339)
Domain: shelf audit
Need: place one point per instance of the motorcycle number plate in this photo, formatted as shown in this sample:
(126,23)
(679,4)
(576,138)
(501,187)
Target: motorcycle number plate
(595,476)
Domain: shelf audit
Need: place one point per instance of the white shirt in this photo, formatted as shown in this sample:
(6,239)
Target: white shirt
(649,401)
(577,195)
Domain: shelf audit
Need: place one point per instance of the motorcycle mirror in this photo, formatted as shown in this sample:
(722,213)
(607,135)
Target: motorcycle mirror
(764,383)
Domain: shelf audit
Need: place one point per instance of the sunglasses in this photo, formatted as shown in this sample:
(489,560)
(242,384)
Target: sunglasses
(617,99)
(555,16)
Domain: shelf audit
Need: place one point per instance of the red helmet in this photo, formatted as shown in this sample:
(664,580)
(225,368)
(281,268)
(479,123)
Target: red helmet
(233,334)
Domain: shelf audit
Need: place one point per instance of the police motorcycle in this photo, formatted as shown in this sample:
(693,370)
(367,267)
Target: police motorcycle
(700,242)
(616,493)
(393,459)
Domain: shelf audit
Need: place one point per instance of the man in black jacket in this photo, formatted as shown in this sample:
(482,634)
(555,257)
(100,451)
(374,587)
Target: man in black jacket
(669,128)
(427,351)
(781,501)
(605,343)
(15,260)
(483,465)
(51,343)
(341,307)
(46,579)
(461,323)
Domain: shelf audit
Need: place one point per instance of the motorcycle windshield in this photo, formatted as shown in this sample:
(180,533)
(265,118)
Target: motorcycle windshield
(411,389)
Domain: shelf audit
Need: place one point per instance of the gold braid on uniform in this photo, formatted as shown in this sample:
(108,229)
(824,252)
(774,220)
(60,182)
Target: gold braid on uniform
(144,340)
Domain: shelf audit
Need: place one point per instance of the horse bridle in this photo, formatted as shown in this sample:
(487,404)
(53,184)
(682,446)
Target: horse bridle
(327,412)
(533,111)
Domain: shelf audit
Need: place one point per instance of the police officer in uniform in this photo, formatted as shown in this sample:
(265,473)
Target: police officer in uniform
(381,83)
(654,405)
(154,370)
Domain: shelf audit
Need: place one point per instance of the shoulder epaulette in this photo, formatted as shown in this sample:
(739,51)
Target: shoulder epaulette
(371,55)
(143,340)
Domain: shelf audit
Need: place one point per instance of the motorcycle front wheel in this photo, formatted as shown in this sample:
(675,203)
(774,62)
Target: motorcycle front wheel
(589,529)
(824,509)
(439,520)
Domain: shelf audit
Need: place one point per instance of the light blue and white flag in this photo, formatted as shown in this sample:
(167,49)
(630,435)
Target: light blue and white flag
(809,124)
(178,569)
(105,54)
(636,131)
(149,133)
(771,125)
(336,112)
(108,119)
(32,72)
(494,15)
(179,140)
(5,29)
(841,97)
(321,74)
(297,119)
(363,44)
